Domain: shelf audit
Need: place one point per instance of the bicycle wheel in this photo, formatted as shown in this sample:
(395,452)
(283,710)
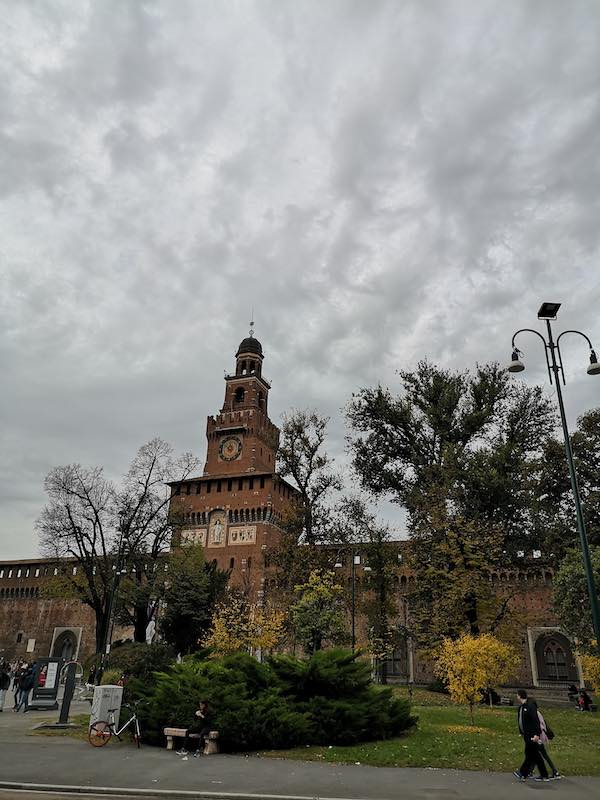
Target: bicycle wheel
(99,734)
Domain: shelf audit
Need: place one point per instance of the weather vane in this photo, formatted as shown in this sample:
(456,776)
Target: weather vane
(252,323)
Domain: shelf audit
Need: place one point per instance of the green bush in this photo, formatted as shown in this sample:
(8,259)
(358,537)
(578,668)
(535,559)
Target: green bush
(110,677)
(140,660)
(286,702)
(334,687)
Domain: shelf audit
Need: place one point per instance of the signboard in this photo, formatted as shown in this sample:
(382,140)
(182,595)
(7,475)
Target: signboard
(45,689)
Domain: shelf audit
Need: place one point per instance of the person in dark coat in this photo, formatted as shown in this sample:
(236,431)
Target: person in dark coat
(26,684)
(530,729)
(201,725)
(4,683)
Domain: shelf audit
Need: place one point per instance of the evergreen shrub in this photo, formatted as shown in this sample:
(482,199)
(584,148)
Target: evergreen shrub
(140,660)
(283,703)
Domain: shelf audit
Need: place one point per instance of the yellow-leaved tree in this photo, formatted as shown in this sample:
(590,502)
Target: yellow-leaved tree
(238,626)
(591,670)
(471,664)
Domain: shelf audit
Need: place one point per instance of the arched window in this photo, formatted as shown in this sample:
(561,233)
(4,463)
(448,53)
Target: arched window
(555,661)
(261,400)
(253,515)
(240,393)
(231,563)
(249,562)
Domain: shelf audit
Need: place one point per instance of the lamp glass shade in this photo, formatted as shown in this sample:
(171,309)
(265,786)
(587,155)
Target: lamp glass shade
(594,367)
(516,365)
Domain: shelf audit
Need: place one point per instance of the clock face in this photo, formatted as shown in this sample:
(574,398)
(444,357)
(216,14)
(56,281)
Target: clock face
(230,448)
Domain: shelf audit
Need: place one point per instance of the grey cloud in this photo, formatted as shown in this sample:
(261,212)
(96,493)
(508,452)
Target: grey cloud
(380,180)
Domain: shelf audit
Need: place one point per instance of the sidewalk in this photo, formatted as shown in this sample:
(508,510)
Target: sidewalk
(64,762)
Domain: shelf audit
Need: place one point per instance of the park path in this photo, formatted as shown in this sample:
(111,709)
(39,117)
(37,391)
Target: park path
(70,763)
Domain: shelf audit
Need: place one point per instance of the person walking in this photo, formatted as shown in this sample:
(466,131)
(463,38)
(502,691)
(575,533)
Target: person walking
(530,729)
(18,673)
(26,685)
(545,735)
(4,683)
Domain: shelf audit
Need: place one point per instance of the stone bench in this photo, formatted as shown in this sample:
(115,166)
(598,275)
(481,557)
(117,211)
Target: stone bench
(211,746)
(170,733)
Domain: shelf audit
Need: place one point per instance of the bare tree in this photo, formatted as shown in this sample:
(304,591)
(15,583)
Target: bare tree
(107,529)
(79,523)
(302,458)
(146,526)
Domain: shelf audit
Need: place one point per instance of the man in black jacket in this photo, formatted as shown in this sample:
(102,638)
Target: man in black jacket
(529,727)
(26,684)
(4,683)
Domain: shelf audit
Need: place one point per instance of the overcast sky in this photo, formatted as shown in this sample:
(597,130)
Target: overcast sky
(381,181)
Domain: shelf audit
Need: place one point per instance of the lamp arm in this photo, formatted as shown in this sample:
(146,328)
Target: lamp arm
(545,343)
(579,332)
(560,354)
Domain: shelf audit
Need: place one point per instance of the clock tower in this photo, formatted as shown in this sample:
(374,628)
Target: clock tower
(235,508)
(242,438)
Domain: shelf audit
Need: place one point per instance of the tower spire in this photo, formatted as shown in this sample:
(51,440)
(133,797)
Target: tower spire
(252,323)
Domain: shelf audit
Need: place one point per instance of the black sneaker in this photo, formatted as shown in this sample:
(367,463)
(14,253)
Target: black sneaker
(518,774)
(540,778)
(556,776)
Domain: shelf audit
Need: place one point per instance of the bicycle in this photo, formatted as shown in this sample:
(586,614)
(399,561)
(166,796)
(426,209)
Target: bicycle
(101,732)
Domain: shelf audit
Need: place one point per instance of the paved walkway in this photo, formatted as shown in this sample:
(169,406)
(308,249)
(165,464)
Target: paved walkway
(71,763)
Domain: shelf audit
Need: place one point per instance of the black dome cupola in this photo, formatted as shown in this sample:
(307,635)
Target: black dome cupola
(249,356)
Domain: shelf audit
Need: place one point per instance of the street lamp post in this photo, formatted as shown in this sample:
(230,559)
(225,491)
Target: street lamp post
(547,312)
(366,568)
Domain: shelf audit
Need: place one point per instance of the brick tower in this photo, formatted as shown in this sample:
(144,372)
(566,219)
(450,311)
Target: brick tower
(234,508)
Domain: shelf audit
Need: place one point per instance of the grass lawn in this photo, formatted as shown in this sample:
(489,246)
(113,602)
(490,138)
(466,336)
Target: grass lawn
(444,737)
(81,722)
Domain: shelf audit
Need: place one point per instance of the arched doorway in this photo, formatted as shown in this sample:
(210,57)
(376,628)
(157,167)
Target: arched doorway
(555,660)
(65,646)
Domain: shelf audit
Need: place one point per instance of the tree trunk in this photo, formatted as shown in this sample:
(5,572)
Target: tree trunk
(102,622)
(140,623)
(383,678)
(471,613)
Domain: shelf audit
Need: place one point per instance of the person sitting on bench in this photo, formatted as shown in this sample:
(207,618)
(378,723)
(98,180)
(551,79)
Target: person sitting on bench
(200,729)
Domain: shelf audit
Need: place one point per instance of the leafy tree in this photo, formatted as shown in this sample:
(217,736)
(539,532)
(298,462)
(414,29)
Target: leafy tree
(591,670)
(554,507)
(239,626)
(303,460)
(318,613)
(356,527)
(570,597)
(190,595)
(471,664)
(457,450)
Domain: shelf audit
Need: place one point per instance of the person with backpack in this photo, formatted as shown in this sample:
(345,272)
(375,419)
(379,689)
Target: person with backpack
(546,735)
(26,685)
(530,729)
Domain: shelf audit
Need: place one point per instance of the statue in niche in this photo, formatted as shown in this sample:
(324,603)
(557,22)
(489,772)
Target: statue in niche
(217,531)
